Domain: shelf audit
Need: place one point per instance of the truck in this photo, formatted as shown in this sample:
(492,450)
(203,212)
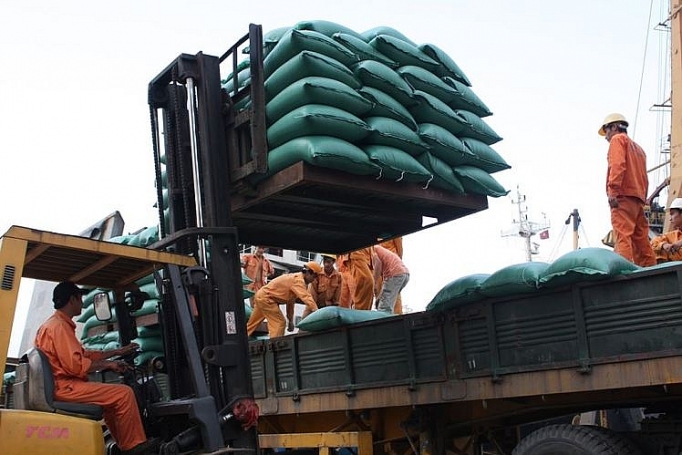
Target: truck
(506,375)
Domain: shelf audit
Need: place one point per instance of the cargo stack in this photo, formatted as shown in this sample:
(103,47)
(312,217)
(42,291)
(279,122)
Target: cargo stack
(373,103)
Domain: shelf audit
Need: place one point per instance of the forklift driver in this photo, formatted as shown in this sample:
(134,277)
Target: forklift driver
(70,363)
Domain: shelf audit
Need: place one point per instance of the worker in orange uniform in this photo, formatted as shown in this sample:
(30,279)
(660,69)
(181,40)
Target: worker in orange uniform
(668,246)
(346,298)
(326,290)
(358,280)
(258,268)
(396,246)
(70,363)
(626,188)
(283,290)
(394,275)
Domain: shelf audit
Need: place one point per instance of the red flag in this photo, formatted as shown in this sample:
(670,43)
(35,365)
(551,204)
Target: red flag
(544,235)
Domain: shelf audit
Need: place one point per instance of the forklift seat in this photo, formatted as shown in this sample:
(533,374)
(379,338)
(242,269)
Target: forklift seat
(34,389)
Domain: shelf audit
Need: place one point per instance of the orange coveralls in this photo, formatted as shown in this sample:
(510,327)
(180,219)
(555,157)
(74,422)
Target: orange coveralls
(395,245)
(669,237)
(258,269)
(283,290)
(358,284)
(326,291)
(626,180)
(70,364)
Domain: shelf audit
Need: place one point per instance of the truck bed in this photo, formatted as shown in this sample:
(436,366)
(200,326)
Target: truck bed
(610,342)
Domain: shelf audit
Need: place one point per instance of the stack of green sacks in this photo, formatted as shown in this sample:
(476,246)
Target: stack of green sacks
(149,339)
(374,103)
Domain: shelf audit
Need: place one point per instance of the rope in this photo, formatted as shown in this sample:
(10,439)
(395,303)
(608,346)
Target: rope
(641,77)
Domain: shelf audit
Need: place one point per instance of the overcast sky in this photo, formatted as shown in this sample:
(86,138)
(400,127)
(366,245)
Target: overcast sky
(74,121)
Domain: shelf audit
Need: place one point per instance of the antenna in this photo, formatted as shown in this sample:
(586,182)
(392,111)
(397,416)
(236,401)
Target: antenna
(525,228)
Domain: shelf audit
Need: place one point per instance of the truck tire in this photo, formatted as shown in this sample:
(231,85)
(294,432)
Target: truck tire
(575,440)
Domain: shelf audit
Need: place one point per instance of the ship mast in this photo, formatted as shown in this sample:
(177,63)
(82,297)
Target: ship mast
(675,189)
(525,228)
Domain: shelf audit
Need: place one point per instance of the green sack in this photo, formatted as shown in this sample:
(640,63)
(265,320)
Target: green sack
(328,28)
(458,292)
(397,165)
(476,128)
(150,306)
(484,157)
(447,66)
(270,40)
(245,279)
(443,175)
(445,145)
(331,317)
(465,98)
(426,81)
(387,131)
(387,106)
(370,34)
(514,279)
(316,90)
(151,290)
(323,151)
(478,181)
(243,79)
(585,264)
(402,52)
(381,77)
(306,64)
(432,110)
(316,120)
(362,50)
(296,41)
(145,237)
(247,311)
(247,293)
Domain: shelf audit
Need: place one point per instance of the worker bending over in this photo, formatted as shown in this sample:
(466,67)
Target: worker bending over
(626,187)
(668,246)
(283,290)
(394,276)
(71,363)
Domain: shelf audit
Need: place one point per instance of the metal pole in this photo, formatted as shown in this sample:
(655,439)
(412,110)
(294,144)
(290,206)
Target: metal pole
(576,224)
(191,101)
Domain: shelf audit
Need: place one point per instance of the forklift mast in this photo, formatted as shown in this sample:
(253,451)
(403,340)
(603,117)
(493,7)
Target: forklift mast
(195,134)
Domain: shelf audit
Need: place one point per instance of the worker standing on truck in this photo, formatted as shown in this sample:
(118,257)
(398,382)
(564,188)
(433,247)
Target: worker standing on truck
(668,246)
(394,277)
(283,290)
(359,285)
(396,246)
(626,188)
(70,363)
(326,290)
(258,268)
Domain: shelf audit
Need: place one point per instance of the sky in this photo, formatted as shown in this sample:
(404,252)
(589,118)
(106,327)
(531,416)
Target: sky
(75,139)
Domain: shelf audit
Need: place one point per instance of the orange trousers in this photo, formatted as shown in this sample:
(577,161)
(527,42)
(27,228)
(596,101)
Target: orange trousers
(357,287)
(121,413)
(263,308)
(631,230)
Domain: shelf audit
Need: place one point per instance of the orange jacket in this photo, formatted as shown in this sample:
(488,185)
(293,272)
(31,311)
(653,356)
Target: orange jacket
(326,290)
(69,361)
(285,290)
(669,237)
(626,174)
(258,269)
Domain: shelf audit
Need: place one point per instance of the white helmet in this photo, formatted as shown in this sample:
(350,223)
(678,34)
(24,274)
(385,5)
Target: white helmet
(611,118)
(676,203)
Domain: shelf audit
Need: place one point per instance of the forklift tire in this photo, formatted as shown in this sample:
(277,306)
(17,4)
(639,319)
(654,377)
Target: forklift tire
(575,440)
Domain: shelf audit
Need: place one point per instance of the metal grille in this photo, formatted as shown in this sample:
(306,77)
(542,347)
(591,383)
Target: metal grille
(8,278)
